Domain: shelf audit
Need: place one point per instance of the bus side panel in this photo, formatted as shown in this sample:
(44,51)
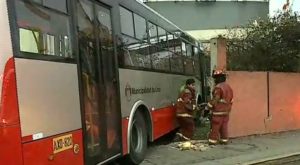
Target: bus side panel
(125,135)
(10,142)
(10,131)
(164,120)
(9,114)
(42,152)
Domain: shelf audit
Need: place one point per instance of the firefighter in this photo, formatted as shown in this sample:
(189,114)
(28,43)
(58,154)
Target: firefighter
(220,107)
(184,110)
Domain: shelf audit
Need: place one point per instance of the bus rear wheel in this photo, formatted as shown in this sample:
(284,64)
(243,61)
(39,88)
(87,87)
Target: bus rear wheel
(138,140)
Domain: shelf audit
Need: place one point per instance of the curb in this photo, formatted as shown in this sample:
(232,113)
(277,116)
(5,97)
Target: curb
(271,158)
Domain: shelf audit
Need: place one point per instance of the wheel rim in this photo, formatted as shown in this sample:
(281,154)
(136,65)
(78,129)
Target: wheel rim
(136,138)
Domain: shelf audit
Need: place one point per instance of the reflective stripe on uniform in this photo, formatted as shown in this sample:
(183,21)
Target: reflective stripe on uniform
(224,140)
(184,115)
(220,113)
(212,141)
(209,105)
(223,101)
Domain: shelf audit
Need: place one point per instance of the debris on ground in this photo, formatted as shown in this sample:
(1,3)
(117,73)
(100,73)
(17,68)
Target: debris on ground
(196,145)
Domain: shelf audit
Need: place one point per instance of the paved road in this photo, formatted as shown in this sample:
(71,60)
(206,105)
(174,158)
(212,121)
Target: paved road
(292,160)
(245,150)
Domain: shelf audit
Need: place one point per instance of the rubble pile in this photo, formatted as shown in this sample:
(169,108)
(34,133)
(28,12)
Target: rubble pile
(196,145)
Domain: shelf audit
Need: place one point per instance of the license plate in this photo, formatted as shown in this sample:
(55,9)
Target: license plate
(62,143)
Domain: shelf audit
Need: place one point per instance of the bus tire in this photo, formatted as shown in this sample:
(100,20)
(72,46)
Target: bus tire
(138,140)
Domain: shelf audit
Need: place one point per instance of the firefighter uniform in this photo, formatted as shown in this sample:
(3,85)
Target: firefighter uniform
(184,112)
(220,107)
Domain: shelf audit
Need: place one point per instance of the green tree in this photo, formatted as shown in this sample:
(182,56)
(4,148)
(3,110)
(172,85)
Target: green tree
(266,45)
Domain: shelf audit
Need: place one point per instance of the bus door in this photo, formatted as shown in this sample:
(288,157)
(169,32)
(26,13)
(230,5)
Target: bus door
(102,116)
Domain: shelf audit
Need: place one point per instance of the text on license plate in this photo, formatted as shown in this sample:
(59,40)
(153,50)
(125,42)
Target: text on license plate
(62,143)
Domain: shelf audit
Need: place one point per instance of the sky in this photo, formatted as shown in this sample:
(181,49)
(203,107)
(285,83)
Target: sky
(276,5)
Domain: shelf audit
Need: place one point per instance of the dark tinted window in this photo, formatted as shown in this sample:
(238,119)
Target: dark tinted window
(189,50)
(37,1)
(90,75)
(43,31)
(60,5)
(103,19)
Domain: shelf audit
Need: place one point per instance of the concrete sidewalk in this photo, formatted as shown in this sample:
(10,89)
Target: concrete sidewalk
(245,150)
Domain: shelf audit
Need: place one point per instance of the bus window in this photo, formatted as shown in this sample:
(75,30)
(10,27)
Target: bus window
(189,63)
(43,31)
(126,22)
(177,59)
(161,58)
(105,30)
(64,45)
(152,33)
(35,42)
(176,63)
(60,5)
(195,51)
(37,1)
(90,76)
(135,53)
(29,40)
(197,61)
(170,38)
(109,116)
(189,50)
(140,28)
(49,44)
(177,44)
(134,47)
(183,47)
(161,35)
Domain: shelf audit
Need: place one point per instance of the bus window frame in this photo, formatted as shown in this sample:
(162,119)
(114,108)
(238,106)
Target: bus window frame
(39,56)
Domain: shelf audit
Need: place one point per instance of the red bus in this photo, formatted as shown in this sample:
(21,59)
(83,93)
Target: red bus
(88,81)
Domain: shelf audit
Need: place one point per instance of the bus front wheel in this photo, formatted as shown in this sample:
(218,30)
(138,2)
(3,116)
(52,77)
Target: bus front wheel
(138,139)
